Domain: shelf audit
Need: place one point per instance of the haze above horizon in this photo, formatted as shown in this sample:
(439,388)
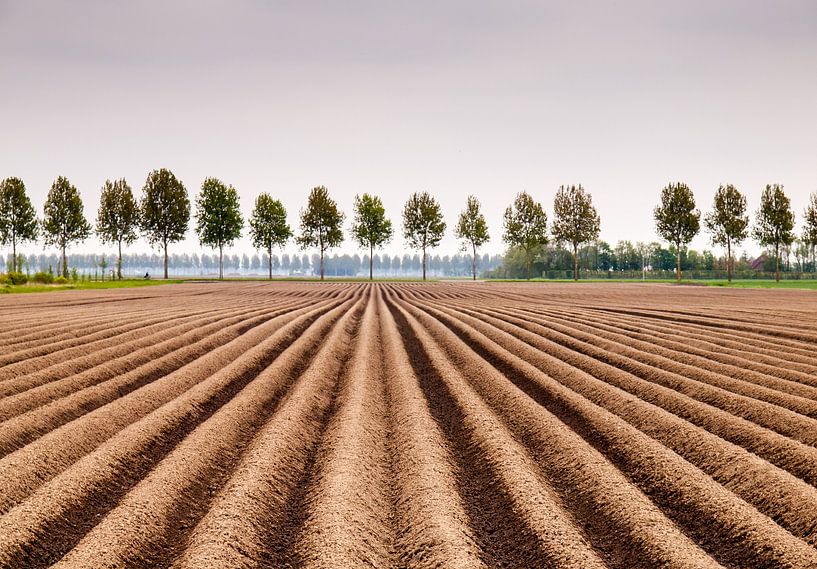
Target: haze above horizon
(453,97)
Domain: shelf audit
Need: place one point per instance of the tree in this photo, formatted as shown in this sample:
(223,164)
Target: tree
(526,226)
(18,220)
(774,224)
(575,220)
(676,219)
(423,225)
(321,223)
(118,217)
(218,217)
(809,237)
(728,222)
(371,228)
(268,226)
(164,210)
(64,221)
(473,229)
(103,264)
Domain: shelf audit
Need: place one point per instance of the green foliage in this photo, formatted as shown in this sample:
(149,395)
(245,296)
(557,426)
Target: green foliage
(728,221)
(43,277)
(321,223)
(809,236)
(473,229)
(64,221)
(218,217)
(525,224)
(118,215)
(164,210)
(18,220)
(575,220)
(60,281)
(370,227)
(774,223)
(16,278)
(75,275)
(676,219)
(423,225)
(268,226)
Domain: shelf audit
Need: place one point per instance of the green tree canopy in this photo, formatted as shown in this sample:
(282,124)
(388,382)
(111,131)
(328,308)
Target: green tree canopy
(774,224)
(676,219)
(64,220)
(18,219)
(268,226)
(370,227)
(472,229)
(164,209)
(728,221)
(575,220)
(423,225)
(218,217)
(809,236)
(526,226)
(118,217)
(321,223)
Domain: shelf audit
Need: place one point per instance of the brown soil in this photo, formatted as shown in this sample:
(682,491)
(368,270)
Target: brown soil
(409,425)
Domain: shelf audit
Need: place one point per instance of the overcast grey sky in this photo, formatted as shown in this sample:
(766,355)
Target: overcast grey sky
(453,97)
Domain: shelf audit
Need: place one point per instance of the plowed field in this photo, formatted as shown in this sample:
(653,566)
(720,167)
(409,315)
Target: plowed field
(409,425)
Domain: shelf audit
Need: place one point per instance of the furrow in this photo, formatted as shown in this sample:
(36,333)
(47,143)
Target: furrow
(727,527)
(144,527)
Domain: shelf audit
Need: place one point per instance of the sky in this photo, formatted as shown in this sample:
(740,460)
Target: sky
(453,97)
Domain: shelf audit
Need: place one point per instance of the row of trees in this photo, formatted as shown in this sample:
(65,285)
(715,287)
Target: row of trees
(162,215)
(678,221)
(248,263)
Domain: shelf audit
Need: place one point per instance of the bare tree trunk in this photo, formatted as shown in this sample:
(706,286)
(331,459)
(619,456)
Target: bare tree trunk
(729,260)
(678,256)
(575,262)
(777,263)
(321,264)
(424,263)
(528,259)
(474,260)
(119,262)
(64,262)
(371,262)
(269,262)
(13,252)
(220,262)
(165,246)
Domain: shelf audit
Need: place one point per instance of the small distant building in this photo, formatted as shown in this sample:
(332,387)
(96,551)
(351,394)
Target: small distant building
(757,263)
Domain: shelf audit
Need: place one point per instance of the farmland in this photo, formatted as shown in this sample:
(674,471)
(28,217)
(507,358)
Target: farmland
(409,425)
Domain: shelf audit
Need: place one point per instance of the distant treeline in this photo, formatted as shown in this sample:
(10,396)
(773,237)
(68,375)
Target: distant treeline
(284,265)
(162,216)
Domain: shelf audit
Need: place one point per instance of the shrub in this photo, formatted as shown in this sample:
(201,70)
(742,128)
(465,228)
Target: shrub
(60,280)
(74,274)
(43,277)
(16,278)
